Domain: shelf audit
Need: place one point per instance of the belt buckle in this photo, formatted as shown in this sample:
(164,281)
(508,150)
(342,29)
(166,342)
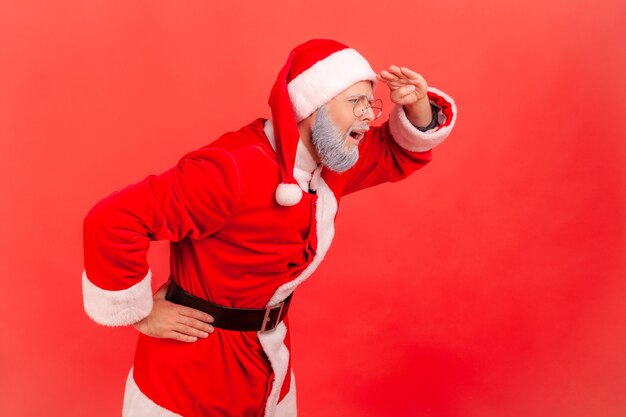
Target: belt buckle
(267,317)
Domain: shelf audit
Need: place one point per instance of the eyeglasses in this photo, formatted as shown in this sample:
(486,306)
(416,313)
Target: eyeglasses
(362,104)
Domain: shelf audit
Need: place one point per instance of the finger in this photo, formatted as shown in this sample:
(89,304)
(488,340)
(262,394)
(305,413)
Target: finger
(190,331)
(410,73)
(195,314)
(392,84)
(395,70)
(415,78)
(404,95)
(181,337)
(396,79)
(196,324)
(388,75)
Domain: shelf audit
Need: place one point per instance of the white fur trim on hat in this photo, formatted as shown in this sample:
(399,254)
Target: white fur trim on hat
(288,194)
(325,79)
(117,308)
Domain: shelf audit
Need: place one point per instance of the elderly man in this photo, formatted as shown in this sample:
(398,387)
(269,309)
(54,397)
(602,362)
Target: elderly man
(249,217)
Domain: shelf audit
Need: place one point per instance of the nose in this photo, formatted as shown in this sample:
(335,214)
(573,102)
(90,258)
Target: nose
(368,115)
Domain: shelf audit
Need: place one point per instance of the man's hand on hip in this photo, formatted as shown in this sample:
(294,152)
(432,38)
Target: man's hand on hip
(168,320)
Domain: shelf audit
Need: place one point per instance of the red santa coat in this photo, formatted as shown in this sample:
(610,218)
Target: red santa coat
(232,244)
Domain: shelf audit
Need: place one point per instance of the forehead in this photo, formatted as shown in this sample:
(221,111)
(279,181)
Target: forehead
(362,88)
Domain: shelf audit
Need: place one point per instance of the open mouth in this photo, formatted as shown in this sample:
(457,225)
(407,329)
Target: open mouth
(357,135)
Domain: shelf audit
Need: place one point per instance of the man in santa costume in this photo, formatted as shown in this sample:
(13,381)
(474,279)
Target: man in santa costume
(249,218)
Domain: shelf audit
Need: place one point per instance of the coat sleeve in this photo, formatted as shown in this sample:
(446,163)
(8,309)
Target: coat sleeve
(191,200)
(396,149)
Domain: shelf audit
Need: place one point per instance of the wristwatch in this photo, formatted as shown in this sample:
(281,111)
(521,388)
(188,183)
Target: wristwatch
(433,123)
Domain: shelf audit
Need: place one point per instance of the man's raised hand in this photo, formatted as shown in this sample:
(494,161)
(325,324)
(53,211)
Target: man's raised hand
(409,89)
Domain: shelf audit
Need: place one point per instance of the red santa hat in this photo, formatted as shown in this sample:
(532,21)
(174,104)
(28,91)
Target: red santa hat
(314,73)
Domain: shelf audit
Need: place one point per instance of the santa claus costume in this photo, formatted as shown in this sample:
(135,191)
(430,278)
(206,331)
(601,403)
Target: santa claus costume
(249,217)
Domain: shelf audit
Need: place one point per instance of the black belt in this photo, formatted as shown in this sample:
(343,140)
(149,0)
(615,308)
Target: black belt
(229,318)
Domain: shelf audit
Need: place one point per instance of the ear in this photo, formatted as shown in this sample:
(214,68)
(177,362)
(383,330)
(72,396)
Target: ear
(305,125)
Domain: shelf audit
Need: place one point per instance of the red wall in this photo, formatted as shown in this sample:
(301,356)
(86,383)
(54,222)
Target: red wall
(491,283)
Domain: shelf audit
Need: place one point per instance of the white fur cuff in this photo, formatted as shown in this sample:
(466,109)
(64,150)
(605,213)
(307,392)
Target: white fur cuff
(117,308)
(414,140)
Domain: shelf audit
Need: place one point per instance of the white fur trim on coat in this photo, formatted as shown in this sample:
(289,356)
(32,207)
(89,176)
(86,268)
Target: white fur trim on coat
(327,78)
(287,407)
(278,355)
(273,341)
(414,140)
(137,404)
(117,308)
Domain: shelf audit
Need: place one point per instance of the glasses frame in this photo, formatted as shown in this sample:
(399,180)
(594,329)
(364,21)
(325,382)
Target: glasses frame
(376,105)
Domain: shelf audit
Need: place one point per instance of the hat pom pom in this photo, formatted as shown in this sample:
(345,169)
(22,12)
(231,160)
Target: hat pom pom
(288,194)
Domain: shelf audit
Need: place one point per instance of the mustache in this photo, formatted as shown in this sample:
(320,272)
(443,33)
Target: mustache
(364,127)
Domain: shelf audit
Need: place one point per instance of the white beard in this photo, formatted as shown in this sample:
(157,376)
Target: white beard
(330,143)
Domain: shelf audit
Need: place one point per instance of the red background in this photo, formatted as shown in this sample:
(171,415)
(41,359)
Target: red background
(491,283)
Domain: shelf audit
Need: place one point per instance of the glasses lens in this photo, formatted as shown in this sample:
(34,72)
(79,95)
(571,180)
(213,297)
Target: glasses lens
(363,104)
(360,107)
(377,108)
